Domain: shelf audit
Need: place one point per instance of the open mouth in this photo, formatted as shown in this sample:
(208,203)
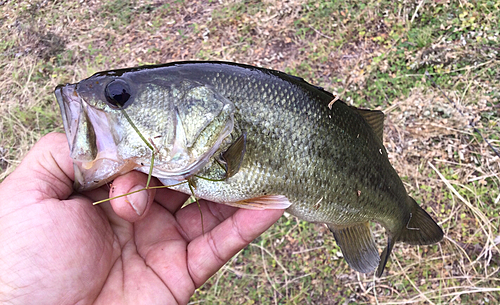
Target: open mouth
(93,148)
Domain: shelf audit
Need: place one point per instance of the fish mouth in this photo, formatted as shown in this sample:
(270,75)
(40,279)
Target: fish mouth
(92,146)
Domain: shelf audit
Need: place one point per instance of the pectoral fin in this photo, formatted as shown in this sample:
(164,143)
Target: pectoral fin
(273,202)
(233,156)
(357,245)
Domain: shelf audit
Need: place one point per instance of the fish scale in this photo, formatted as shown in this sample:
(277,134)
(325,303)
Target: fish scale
(301,198)
(326,165)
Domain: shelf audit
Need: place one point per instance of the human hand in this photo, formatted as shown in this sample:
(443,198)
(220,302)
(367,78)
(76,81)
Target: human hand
(57,248)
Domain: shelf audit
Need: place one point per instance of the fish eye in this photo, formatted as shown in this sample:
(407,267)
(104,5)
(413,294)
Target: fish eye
(117,93)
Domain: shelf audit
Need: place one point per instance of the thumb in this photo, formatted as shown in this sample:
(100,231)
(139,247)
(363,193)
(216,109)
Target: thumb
(134,206)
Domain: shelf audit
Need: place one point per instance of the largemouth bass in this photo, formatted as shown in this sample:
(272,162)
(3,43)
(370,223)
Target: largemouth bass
(248,137)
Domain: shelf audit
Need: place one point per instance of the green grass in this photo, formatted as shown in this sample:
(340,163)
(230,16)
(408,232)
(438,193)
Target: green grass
(372,53)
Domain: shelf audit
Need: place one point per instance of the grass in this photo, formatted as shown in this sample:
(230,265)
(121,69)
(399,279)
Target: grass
(373,53)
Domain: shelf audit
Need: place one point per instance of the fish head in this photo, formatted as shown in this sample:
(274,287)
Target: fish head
(114,121)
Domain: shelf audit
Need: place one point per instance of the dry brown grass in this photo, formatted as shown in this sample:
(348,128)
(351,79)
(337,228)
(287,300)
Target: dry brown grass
(431,143)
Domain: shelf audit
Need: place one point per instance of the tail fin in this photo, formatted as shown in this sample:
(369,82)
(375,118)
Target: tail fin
(384,257)
(421,229)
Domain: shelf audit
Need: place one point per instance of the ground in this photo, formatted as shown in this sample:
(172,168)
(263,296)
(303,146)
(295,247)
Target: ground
(433,67)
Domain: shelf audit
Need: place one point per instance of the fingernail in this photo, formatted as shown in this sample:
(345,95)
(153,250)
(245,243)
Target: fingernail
(138,200)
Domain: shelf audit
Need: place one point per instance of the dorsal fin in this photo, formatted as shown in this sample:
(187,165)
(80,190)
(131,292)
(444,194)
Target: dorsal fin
(374,118)
(233,156)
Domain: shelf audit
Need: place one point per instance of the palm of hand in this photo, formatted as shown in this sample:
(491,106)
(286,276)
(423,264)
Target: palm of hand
(58,248)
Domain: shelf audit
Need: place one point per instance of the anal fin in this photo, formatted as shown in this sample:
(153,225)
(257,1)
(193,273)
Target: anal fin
(268,202)
(357,245)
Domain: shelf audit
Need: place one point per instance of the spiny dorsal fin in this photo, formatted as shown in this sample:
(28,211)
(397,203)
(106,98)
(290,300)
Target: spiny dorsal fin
(357,245)
(233,156)
(374,118)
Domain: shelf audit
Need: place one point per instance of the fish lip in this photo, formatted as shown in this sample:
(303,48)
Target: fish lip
(71,109)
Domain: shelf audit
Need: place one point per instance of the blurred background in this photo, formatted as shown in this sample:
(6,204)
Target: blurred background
(433,67)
